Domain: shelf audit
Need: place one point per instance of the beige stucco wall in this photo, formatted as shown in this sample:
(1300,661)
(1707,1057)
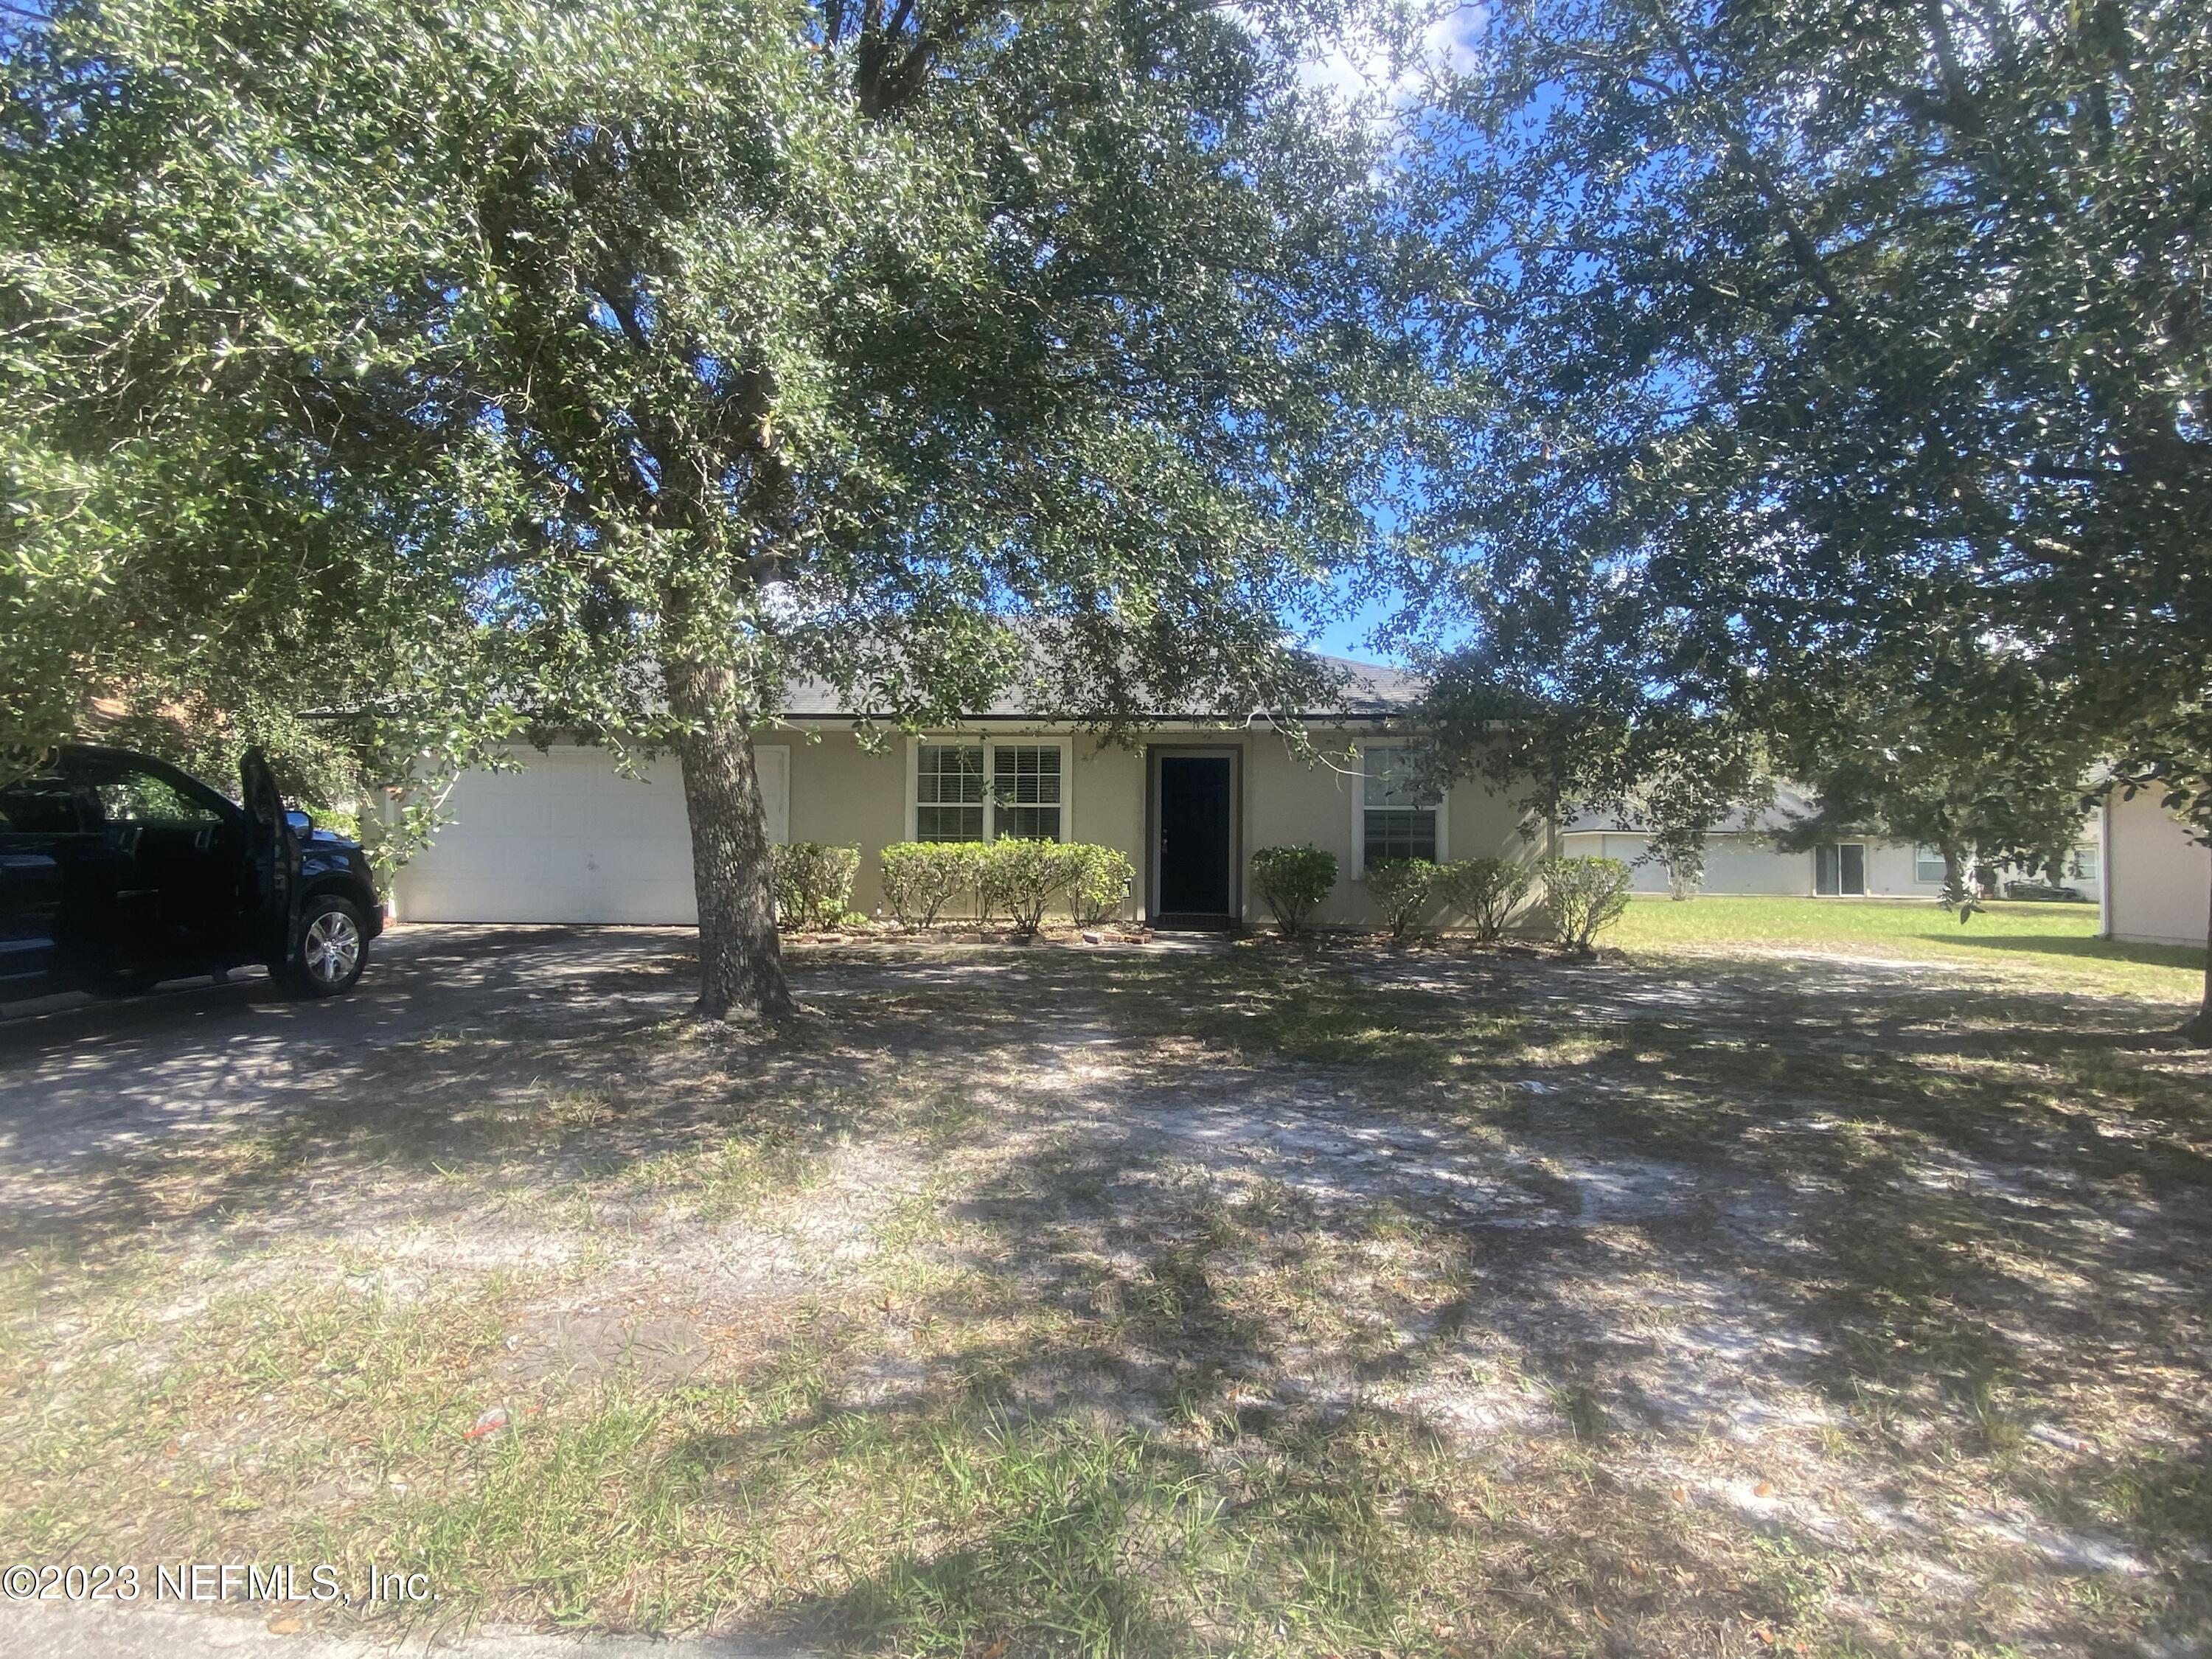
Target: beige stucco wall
(1290,801)
(2158,882)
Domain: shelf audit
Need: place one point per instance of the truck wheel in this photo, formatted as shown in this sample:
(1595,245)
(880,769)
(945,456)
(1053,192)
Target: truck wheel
(329,948)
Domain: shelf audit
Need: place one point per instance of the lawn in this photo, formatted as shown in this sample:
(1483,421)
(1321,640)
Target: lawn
(2056,942)
(1259,1302)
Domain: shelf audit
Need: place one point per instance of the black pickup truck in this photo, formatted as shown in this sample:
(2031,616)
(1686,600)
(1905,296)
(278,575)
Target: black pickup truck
(118,871)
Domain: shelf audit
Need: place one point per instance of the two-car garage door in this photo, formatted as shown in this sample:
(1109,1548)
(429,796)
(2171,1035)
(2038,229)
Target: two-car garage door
(568,838)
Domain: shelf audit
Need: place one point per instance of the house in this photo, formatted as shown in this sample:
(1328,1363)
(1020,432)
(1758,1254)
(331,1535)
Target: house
(1741,857)
(568,838)
(2157,886)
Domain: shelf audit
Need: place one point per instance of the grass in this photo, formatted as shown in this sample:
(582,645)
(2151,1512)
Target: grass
(1267,1303)
(2056,942)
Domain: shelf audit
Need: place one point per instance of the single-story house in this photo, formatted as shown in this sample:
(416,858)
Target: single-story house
(1741,857)
(566,837)
(2157,886)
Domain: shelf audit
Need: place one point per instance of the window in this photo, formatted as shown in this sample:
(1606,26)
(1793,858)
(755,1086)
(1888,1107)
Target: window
(1025,791)
(990,791)
(1395,822)
(948,792)
(43,806)
(144,797)
(1926,863)
(2083,864)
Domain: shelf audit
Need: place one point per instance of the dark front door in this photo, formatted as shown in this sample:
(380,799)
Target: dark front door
(1194,849)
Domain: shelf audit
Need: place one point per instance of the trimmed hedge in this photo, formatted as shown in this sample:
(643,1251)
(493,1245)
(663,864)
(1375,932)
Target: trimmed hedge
(1020,878)
(920,877)
(812,882)
(1100,884)
(1293,881)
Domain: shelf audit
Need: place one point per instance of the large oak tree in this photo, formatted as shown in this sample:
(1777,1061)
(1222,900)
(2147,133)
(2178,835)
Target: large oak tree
(610,363)
(1811,356)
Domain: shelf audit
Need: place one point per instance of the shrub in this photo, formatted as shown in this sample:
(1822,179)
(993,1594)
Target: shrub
(1026,876)
(1487,891)
(1401,890)
(920,877)
(1099,883)
(983,867)
(1584,896)
(813,882)
(1292,880)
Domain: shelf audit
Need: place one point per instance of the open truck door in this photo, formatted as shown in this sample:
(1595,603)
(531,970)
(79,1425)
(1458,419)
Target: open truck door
(274,851)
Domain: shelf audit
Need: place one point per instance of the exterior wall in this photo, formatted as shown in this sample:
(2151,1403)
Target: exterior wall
(1750,864)
(2157,881)
(841,793)
(1290,802)
(566,839)
(1650,877)
(1890,873)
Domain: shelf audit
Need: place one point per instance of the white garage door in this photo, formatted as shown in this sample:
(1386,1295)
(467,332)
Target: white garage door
(568,838)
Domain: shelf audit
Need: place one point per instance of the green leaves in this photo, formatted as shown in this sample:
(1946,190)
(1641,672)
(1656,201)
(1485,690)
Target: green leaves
(560,344)
(1833,383)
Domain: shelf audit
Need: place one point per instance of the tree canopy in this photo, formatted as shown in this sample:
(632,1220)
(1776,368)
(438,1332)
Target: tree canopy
(1815,363)
(611,364)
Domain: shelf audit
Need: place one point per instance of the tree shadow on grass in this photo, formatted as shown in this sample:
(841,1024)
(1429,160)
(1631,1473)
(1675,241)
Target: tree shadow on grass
(1269,1297)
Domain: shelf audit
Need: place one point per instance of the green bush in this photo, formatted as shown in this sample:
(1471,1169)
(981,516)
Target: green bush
(813,883)
(1292,881)
(986,879)
(1584,897)
(920,877)
(1098,884)
(1026,876)
(1401,888)
(1487,891)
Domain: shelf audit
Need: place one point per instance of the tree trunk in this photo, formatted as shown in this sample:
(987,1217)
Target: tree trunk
(2199,1029)
(740,960)
(1954,874)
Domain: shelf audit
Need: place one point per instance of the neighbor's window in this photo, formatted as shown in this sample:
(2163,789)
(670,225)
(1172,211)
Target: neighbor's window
(2083,867)
(1025,791)
(1928,864)
(948,792)
(1398,824)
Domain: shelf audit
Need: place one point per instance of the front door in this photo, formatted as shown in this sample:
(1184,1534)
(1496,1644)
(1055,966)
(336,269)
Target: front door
(1193,850)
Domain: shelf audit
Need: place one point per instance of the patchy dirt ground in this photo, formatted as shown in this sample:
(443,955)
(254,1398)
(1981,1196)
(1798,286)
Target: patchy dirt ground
(1248,1301)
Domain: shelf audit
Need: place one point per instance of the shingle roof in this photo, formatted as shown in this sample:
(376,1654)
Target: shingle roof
(1789,803)
(1364,689)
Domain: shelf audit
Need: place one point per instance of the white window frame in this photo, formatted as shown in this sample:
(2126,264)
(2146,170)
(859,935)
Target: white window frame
(990,746)
(1919,863)
(1358,791)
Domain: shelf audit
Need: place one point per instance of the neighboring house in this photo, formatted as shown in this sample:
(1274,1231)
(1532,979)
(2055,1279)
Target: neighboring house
(568,839)
(2157,887)
(1741,857)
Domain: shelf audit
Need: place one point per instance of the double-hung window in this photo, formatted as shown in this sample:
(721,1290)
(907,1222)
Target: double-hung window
(1926,863)
(1396,821)
(990,791)
(1025,791)
(948,792)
